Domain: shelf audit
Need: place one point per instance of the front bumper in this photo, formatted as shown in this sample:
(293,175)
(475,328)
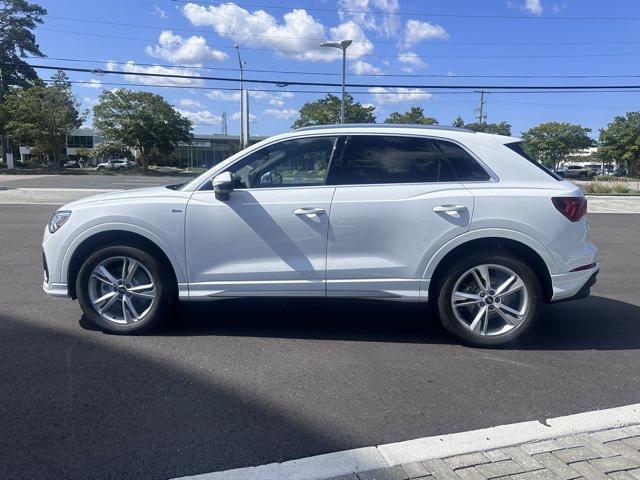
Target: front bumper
(573,285)
(56,289)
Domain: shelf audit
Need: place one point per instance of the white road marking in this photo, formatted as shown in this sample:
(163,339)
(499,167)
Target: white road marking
(370,458)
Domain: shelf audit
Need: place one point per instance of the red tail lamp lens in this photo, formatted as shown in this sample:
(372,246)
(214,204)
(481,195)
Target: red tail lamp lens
(574,208)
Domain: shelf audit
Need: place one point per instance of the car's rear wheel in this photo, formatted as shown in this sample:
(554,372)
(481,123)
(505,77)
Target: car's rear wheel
(489,300)
(122,289)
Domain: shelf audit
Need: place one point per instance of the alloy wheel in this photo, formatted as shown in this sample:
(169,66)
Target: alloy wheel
(490,300)
(122,290)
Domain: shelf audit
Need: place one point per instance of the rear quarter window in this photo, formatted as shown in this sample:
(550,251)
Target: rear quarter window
(517,148)
(466,168)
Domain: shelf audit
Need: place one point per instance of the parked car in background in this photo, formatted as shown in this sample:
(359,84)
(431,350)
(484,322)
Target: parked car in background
(464,220)
(578,172)
(115,164)
(72,164)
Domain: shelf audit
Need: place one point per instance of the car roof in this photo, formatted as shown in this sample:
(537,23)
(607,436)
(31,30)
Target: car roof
(383,126)
(444,131)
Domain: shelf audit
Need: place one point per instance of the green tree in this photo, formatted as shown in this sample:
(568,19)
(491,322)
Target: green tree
(326,111)
(620,141)
(44,116)
(502,128)
(143,121)
(17,20)
(414,116)
(458,122)
(553,142)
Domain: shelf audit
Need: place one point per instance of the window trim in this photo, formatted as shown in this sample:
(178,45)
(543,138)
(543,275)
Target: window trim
(328,179)
(493,178)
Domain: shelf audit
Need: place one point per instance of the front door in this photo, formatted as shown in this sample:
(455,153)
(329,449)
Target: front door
(270,236)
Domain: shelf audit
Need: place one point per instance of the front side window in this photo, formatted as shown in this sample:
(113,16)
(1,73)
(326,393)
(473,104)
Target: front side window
(291,163)
(394,159)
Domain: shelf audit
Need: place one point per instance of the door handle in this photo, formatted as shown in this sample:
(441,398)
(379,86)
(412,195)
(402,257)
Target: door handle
(449,208)
(309,211)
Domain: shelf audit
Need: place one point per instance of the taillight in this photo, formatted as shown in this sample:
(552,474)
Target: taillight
(574,208)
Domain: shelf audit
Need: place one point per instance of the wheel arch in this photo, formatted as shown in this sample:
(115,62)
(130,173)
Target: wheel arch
(500,243)
(120,238)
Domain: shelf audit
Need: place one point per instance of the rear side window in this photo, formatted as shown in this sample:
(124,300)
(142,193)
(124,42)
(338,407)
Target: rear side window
(517,147)
(467,169)
(394,159)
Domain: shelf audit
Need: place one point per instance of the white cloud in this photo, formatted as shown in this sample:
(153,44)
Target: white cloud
(411,61)
(189,103)
(384,95)
(159,12)
(252,117)
(93,83)
(221,95)
(132,68)
(192,50)
(385,23)
(297,37)
(532,6)
(363,68)
(282,114)
(201,117)
(417,31)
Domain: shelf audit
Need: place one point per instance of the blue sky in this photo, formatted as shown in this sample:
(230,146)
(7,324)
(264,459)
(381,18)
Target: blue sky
(413,37)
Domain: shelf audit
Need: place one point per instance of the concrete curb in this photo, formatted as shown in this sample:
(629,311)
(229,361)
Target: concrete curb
(382,456)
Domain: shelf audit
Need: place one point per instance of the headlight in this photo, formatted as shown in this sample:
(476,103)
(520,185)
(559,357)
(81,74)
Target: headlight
(58,219)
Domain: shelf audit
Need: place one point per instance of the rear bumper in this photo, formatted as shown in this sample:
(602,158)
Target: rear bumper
(573,285)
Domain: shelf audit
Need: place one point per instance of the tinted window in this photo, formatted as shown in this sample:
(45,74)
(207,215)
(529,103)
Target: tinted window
(295,163)
(379,159)
(467,169)
(517,147)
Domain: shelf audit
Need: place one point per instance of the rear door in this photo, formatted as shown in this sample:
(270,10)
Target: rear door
(398,201)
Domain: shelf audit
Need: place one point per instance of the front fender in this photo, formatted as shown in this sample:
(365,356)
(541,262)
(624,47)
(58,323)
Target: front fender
(173,254)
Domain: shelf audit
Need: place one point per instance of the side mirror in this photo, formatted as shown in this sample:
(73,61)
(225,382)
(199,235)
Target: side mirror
(223,185)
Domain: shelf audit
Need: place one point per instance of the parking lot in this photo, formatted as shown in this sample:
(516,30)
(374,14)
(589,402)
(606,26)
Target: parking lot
(238,383)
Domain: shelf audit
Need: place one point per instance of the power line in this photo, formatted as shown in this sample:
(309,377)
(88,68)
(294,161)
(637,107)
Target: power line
(231,33)
(281,83)
(337,92)
(430,44)
(372,55)
(421,14)
(297,72)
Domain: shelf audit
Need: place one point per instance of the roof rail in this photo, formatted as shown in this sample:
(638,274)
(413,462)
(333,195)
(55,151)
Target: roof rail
(384,125)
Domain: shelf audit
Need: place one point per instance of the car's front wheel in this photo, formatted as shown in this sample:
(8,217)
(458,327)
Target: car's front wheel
(123,289)
(489,300)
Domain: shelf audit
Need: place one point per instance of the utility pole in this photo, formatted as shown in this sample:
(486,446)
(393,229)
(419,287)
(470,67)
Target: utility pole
(224,123)
(482,116)
(244,105)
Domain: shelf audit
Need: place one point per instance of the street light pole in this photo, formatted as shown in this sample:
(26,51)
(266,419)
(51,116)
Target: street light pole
(342,45)
(242,95)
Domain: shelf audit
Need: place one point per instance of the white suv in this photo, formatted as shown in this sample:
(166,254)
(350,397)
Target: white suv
(465,220)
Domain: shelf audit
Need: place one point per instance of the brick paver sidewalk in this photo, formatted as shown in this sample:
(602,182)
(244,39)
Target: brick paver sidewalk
(599,455)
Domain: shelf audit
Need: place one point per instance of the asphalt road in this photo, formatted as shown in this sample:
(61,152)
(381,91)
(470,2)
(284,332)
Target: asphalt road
(115,182)
(239,383)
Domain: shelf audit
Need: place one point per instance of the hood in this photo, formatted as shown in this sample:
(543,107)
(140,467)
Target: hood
(120,195)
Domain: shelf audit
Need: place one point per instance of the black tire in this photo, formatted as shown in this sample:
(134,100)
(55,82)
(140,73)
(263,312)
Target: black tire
(458,269)
(163,290)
